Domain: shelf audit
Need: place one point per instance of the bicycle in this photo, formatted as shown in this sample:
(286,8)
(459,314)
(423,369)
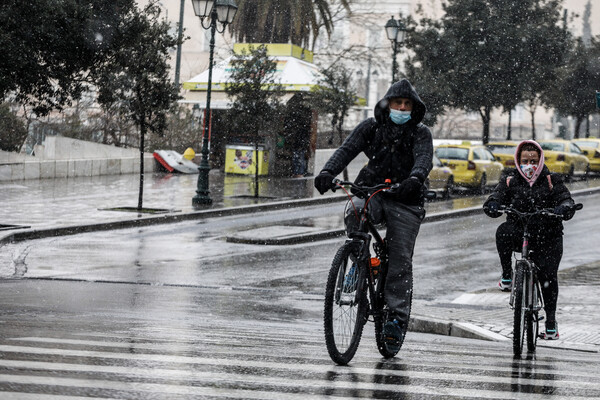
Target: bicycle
(526,294)
(355,283)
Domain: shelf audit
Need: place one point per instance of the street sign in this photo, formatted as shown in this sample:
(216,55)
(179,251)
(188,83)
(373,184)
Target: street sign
(597,98)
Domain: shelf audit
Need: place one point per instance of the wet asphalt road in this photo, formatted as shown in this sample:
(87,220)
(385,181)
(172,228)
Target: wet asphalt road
(131,341)
(451,257)
(173,311)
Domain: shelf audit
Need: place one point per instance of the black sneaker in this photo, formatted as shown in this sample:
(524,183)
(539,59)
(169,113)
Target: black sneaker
(393,333)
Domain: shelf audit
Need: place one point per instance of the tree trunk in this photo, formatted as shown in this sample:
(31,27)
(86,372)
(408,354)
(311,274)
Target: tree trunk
(532,124)
(578,122)
(142,134)
(256,165)
(485,118)
(509,130)
(587,126)
(532,108)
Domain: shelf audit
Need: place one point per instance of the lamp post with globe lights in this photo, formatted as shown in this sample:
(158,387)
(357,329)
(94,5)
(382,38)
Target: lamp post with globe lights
(395,30)
(214,12)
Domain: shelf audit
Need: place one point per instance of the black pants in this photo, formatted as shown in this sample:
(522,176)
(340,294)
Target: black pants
(546,253)
(402,223)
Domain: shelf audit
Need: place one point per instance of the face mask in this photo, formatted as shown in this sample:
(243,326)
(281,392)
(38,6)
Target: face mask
(528,170)
(399,117)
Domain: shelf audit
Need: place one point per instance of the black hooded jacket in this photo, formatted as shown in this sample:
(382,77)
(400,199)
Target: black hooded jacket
(514,190)
(395,152)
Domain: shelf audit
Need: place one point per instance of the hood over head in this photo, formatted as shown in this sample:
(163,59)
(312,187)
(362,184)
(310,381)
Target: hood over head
(402,88)
(540,165)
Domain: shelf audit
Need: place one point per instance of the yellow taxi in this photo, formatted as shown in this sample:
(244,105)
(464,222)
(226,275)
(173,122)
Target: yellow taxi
(564,157)
(441,178)
(504,152)
(591,149)
(473,166)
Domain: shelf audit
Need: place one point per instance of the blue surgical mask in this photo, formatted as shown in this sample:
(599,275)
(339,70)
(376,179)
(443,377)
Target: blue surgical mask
(399,117)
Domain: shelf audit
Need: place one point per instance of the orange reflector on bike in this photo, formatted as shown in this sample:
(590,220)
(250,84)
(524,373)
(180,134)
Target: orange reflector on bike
(375,262)
(388,181)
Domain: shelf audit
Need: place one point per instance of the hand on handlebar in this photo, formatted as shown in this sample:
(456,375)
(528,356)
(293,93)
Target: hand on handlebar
(567,211)
(492,209)
(324,181)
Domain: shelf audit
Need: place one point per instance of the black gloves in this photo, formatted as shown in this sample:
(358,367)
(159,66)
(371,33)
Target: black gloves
(491,209)
(324,181)
(566,210)
(409,189)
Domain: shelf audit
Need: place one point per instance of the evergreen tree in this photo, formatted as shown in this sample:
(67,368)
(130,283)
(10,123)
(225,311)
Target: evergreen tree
(487,53)
(255,95)
(573,93)
(50,48)
(134,74)
(334,95)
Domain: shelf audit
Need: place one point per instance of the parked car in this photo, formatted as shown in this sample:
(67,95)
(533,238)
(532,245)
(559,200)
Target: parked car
(504,152)
(473,166)
(441,178)
(564,157)
(591,149)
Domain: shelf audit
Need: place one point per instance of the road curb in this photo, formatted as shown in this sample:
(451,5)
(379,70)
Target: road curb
(31,234)
(465,330)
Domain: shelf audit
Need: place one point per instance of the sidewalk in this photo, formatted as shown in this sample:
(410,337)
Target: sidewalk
(41,208)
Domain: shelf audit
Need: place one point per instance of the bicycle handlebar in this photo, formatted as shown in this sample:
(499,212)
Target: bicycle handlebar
(386,187)
(548,212)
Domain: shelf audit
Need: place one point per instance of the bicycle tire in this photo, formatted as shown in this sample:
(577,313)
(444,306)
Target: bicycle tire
(519,310)
(380,318)
(532,321)
(344,313)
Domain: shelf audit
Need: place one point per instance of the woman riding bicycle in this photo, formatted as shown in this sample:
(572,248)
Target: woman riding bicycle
(399,148)
(526,188)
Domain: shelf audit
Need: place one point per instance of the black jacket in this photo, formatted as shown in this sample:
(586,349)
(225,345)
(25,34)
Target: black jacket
(395,152)
(543,194)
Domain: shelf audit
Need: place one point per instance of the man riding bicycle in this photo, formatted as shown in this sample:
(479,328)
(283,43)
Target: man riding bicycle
(526,188)
(399,148)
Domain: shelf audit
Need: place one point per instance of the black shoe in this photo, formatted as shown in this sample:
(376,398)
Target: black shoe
(393,335)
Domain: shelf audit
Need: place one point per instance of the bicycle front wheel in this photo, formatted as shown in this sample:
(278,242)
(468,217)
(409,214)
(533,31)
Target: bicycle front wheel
(520,306)
(532,320)
(345,305)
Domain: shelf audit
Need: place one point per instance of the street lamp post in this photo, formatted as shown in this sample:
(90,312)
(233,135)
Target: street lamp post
(214,11)
(395,30)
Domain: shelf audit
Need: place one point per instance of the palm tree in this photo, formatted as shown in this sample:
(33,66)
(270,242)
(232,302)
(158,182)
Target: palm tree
(282,21)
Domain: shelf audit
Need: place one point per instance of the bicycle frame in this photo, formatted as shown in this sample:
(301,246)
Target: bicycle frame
(362,238)
(534,302)
(526,295)
(364,289)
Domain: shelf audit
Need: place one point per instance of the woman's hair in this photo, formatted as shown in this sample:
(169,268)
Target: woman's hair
(529,147)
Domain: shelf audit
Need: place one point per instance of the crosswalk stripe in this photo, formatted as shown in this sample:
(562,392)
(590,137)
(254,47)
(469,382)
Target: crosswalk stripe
(422,360)
(35,396)
(216,378)
(272,365)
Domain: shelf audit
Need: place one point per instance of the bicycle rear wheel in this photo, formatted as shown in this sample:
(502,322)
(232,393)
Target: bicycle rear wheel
(345,305)
(520,298)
